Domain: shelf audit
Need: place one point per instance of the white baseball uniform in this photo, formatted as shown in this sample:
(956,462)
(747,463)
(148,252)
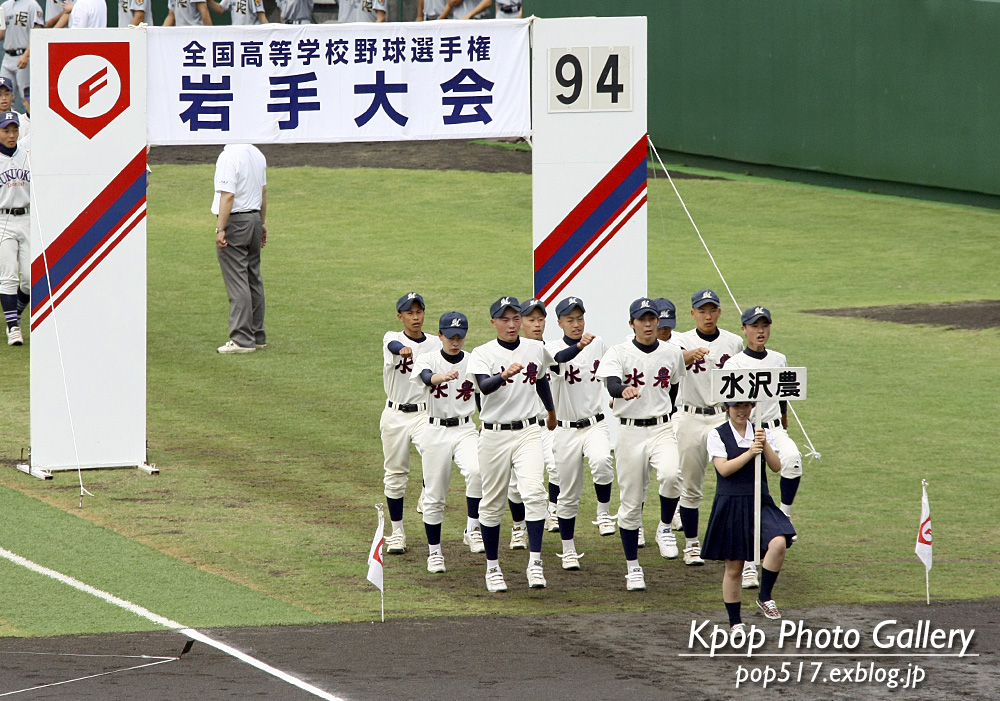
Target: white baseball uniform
(433,9)
(579,397)
(404,418)
(769,411)
(450,434)
(699,412)
(243,12)
(510,439)
(186,13)
(508,9)
(359,10)
(20,16)
(646,436)
(128,8)
(15,257)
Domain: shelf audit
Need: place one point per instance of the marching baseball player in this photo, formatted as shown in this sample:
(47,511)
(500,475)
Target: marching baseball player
(243,13)
(20,16)
(187,13)
(15,260)
(466,9)
(643,375)
(404,418)
(771,415)
(533,314)
(510,373)
(509,9)
(581,430)
(450,435)
(357,10)
(134,12)
(430,10)
(705,347)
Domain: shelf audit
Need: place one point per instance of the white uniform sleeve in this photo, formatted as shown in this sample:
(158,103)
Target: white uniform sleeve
(477,366)
(716,448)
(419,365)
(611,365)
(387,357)
(39,15)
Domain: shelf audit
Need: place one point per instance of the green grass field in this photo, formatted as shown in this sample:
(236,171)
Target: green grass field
(271,463)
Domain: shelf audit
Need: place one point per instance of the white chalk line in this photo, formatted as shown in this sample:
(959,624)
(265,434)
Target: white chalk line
(91,676)
(167,623)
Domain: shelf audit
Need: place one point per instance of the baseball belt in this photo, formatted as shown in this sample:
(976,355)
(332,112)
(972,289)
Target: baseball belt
(512,426)
(654,421)
(454,421)
(15,52)
(582,423)
(406,408)
(706,411)
(16,211)
(770,424)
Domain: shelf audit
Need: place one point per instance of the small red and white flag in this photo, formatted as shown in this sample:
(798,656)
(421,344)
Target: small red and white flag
(924,549)
(375,553)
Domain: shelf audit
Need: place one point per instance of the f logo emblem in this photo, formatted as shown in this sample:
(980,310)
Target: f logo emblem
(90,86)
(89,83)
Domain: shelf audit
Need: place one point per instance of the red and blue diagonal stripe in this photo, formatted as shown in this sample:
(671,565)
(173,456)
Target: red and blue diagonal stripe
(80,248)
(591,224)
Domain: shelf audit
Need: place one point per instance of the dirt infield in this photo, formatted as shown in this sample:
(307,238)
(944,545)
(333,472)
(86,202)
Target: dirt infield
(959,315)
(407,155)
(571,657)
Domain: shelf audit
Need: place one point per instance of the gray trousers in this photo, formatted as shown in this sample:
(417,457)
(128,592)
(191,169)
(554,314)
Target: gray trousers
(240,263)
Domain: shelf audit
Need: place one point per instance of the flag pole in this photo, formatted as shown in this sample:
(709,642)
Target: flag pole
(756,495)
(927,572)
(381,589)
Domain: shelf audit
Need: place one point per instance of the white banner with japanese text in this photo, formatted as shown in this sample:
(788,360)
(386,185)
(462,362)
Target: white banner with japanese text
(279,83)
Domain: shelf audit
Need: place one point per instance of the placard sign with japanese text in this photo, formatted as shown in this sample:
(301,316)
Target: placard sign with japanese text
(758,384)
(328,82)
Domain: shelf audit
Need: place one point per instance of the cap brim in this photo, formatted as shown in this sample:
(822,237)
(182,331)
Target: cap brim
(8,122)
(405,306)
(501,310)
(756,317)
(452,332)
(703,302)
(667,323)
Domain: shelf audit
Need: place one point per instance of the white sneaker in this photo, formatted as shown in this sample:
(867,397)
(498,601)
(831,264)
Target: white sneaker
(570,559)
(692,555)
(14,337)
(494,580)
(536,577)
(642,537)
(232,347)
(750,580)
(435,563)
(634,581)
(420,502)
(474,539)
(667,541)
(738,628)
(605,524)
(551,520)
(396,543)
(519,538)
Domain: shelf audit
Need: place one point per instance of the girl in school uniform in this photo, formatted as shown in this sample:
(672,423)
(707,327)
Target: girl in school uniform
(732,448)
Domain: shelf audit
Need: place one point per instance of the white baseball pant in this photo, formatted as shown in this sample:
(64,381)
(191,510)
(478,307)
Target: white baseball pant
(638,447)
(15,258)
(441,445)
(398,430)
(20,77)
(692,445)
(788,452)
(571,446)
(550,463)
(503,452)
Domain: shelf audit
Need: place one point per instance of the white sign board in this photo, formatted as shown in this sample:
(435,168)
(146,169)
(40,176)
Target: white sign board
(758,384)
(279,83)
(88,248)
(589,166)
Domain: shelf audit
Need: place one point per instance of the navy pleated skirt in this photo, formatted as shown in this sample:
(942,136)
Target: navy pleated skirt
(730,527)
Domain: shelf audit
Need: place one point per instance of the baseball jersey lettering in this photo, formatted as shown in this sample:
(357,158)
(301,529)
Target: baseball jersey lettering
(513,401)
(575,398)
(398,371)
(449,399)
(631,364)
(696,390)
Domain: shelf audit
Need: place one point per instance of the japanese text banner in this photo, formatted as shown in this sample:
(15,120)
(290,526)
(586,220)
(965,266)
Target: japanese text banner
(352,82)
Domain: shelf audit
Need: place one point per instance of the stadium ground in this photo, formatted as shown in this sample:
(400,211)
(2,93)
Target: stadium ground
(571,657)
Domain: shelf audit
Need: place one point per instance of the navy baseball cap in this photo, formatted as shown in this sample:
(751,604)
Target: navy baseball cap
(567,305)
(753,314)
(9,118)
(407,300)
(703,297)
(668,313)
(497,308)
(453,324)
(531,305)
(642,306)
(6,83)
(737,403)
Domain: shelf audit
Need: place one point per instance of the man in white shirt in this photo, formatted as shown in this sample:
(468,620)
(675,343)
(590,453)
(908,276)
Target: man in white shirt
(84,13)
(240,203)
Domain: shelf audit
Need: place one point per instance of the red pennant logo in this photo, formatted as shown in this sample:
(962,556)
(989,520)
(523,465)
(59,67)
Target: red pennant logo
(89,83)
